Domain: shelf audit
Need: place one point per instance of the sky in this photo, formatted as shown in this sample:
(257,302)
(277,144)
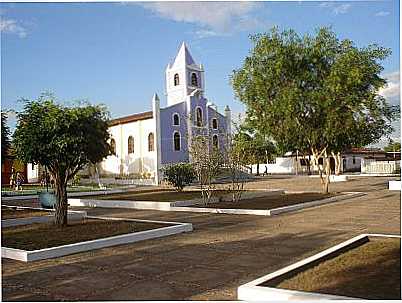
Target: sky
(116,53)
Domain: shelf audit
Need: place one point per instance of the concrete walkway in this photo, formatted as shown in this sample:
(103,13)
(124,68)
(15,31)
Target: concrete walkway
(223,252)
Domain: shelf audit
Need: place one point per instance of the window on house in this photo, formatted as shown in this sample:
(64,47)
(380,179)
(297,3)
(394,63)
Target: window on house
(194,80)
(176,80)
(176,141)
(198,116)
(151,142)
(215,141)
(176,119)
(354,160)
(113,146)
(215,123)
(130,145)
(33,166)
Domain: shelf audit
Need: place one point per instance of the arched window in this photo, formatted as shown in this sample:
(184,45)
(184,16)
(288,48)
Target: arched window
(198,116)
(176,79)
(130,145)
(151,142)
(215,141)
(176,141)
(194,80)
(176,119)
(215,123)
(113,146)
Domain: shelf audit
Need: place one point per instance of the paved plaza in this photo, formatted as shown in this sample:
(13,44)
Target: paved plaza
(223,251)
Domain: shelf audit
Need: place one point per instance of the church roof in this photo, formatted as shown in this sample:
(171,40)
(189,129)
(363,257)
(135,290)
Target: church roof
(183,57)
(131,118)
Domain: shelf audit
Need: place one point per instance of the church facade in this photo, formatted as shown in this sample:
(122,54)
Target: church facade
(145,142)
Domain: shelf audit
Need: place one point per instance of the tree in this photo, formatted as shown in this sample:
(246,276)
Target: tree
(5,137)
(63,139)
(179,175)
(314,92)
(393,146)
(207,162)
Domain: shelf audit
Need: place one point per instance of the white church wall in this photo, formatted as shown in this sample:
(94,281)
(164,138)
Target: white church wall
(32,173)
(141,160)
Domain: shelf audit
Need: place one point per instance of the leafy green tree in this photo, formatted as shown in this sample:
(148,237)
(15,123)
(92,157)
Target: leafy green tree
(5,137)
(64,139)
(179,175)
(315,92)
(393,146)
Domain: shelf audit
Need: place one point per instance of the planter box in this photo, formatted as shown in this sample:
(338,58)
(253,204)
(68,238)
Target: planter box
(394,185)
(54,252)
(173,206)
(252,291)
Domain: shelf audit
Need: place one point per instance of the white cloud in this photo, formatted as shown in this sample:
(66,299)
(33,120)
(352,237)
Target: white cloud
(213,18)
(12,26)
(392,90)
(382,14)
(336,8)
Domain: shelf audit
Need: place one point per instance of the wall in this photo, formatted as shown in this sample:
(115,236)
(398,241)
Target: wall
(168,154)
(141,160)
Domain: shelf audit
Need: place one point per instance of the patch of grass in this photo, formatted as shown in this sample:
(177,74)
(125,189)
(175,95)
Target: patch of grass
(370,271)
(163,195)
(39,236)
(270,202)
(13,213)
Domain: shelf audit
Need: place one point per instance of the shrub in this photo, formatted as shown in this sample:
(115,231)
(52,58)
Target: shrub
(179,175)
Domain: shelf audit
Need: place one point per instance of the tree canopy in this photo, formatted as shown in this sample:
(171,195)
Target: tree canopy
(314,92)
(393,146)
(5,137)
(64,139)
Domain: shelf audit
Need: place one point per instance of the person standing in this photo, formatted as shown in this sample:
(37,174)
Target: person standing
(12,178)
(20,180)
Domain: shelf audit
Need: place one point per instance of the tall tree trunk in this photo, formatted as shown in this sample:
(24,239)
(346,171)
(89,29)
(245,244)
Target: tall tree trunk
(338,158)
(327,173)
(61,204)
(258,169)
(309,164)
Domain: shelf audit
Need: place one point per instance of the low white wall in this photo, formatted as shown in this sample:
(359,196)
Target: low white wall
(371,166)
(282,166)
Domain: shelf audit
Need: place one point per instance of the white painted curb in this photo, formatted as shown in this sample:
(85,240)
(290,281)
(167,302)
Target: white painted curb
(290,208)
(394,185)
(333,178)
(251,291)
(53,252)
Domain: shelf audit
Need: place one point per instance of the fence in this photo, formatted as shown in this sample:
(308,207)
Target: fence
(371,166)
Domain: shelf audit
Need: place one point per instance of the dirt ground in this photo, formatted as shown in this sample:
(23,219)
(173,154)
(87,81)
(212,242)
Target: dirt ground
(44,235)
(270,202)
(10,213)
(223,252)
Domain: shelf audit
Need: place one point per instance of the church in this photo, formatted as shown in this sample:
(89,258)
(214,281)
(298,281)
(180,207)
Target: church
(143,143)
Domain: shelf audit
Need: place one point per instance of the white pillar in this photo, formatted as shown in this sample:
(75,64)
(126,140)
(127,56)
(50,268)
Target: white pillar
(157,138)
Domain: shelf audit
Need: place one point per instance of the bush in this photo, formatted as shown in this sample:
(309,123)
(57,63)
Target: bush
(179,175)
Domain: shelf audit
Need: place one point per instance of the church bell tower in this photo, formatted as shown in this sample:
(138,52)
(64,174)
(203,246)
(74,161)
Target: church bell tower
(183,77)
